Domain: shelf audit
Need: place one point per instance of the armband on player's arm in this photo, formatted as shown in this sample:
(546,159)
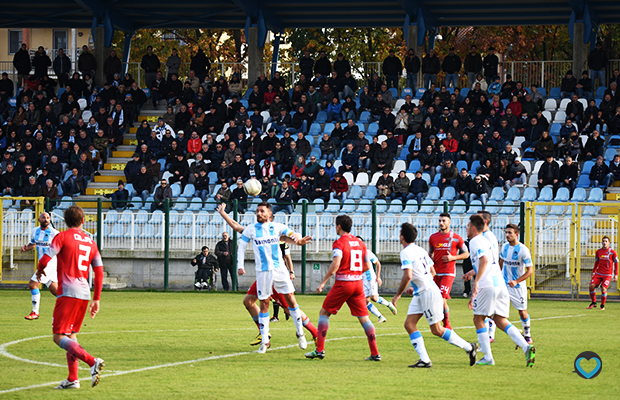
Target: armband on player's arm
(243,243)
(97,265)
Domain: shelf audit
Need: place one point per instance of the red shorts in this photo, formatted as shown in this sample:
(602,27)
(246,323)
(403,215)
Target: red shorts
(444,282)
(600,280)
(277,297)
(68,315)
(351,292)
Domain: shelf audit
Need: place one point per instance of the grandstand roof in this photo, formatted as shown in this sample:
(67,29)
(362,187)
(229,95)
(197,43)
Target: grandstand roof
(129,15)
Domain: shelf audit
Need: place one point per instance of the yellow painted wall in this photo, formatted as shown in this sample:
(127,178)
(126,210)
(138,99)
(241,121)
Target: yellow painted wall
(39,37)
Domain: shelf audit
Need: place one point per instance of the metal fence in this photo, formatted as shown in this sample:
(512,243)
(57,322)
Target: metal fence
(563,239)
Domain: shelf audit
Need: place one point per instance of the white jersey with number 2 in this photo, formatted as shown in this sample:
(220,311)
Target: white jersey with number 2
(480,247)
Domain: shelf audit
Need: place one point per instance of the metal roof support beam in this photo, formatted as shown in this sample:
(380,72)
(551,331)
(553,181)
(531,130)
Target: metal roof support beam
(257,12)
(126,51)
(276,54)
(255,53)
(101,12)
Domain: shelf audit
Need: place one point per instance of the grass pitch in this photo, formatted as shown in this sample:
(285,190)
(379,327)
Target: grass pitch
(191,345)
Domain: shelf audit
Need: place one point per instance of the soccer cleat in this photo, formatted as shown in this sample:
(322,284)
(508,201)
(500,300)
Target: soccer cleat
(316,354)
(303,344)
(381,320)
(530,355)
(68,385)
(592,305)
(32,315)
(258,340)
(491,340)
(516,345)
(465,295)
(95,371)
(528,339)
(197,285)
(263,348)
(472,353)
(392,308)
(421,364)
(374,358)
(485,361)
(274,319)
(602,307)
(205,285)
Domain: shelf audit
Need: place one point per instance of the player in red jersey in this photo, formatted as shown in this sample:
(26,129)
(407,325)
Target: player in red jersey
(349,263)
(444,247)
(75,252)
(251,297)
(605,270)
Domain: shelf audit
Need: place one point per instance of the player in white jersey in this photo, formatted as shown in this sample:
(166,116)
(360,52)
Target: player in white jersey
(372,281)
(516,263)
(41,239)
(270,270)
(418,273)
(490,236)
(489,297)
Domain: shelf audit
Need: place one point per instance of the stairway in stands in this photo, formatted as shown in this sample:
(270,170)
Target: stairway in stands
(112,171)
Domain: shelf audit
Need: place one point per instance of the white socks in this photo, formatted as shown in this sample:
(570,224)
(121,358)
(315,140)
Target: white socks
(263,324)
(296,316)
(451,337)
(418,344)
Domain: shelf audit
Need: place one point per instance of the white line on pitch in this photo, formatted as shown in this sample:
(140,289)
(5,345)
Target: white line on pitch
(117,373)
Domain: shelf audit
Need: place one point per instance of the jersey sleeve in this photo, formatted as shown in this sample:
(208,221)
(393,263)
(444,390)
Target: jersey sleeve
(284,230)
(405,261)
(96,260)
(248,233)
(615,262)
(482,251)
(526,257)
(55,247)
(32,234)
(372,256)
(461,244)
(337,249)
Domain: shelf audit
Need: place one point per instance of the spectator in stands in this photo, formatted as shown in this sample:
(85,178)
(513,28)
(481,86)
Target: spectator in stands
(383,159)
(597,62)
(321,186)
(223,195)
(451,66)
(463,185)
(518,173)
(350,160)
(429,161)
(584,86)
(85,169)
(162,193)
(600,174)
(179,170)
(473,65)
(549,174)
(567,129)
(21,62)
(132,168)
(392,142)
(284,197)
(614,123)
(74,183)
(119,197)
(31,189)
(574,110)
(10,181)
(142,184)
(430,68)
(327,147)
(322,66)
(392,69)
(385,185)
(594,146)
(569,174)
(490,65)
(568,86)
(41,62)
(418,188)
(50,191)
(614,170)
(62,67)
(387,121)
(545,146)
(479,190)
(412,65)
(241,196)
(111,66)
(401,187)
(504,173)
(150,63)
(449,173)
(338,188)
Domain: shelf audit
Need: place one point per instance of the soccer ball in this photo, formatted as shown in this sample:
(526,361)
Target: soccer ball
(252,187)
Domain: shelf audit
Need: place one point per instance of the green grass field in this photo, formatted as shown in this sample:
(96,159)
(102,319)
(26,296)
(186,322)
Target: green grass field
(137,330)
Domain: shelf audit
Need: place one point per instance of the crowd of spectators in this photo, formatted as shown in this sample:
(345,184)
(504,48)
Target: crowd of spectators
(220,131)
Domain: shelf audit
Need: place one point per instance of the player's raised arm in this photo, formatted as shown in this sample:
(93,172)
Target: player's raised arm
(233,224)
(301,242)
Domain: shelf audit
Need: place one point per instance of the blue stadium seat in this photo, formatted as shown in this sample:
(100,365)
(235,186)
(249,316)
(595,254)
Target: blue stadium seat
(474,207)
(579,194)
(491,207)
(358,219)
(117,231)
(126,217)
(406,91)
(136,203)
(403,154)
(319,205)
(498,194)
(142,217)
(321,117)
(514,194)
(507,210)
(562,194)
(178,232)
(529,194)
(132,231)
(173,216)
(433,193)
(157,217)
(587,167)
(388,220)
(554,130)
(196,204)
(189,191)
(210,205)
(333,206)
(364,207)
(610,154)
(461,164)
(555,93)
(394,93)
(348,206)
(458,207)
(148,231)
(600,92)
(419,93)
(546,194)
(371,193)
(364,116)
(111,217)
(596,195)
(427,207)
(473,170)
(355,193)
(436,180)
(187,218)
(396,207)
(381,206)
(326,219)
(203,218)
(411,207)
(315,129)
(328,128)
(590,210)
(373,128)
(180,204)
(614,142)
(557,210)
(414,166)
(448,193)
(176,189)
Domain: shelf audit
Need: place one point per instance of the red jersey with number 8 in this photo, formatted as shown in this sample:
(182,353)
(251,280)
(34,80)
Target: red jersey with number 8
(354,255)
(75,252)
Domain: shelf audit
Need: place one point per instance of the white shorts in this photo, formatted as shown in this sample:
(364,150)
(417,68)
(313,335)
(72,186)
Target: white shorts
(279,278)
(429,303)
(371,288)
(492,301)
(50,274)
(518,296)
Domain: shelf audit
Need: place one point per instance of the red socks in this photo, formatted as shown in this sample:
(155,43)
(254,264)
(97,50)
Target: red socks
(73,364)
(310,327)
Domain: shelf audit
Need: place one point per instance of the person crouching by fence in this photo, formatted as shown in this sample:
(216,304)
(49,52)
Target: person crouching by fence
(207,264)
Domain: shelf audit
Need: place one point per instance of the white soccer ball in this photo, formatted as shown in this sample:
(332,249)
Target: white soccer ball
(252,187)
